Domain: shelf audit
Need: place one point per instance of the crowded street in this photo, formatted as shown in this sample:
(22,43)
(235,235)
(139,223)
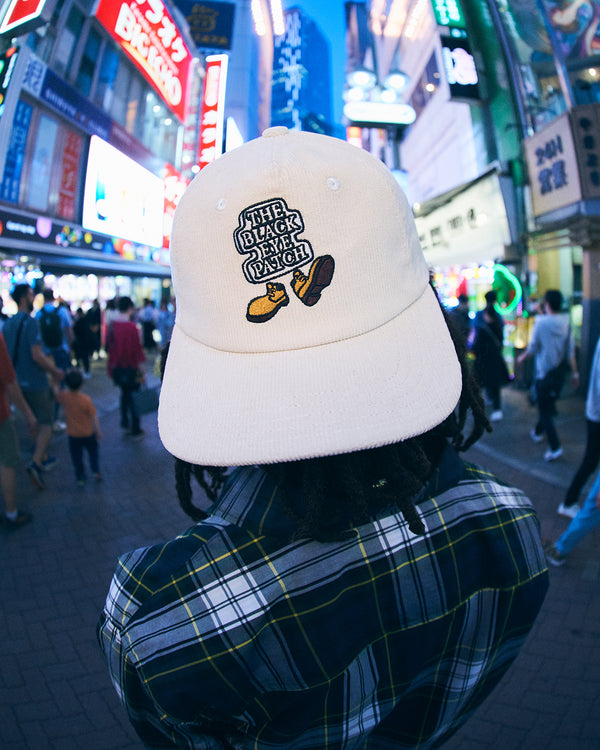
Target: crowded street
(55,693)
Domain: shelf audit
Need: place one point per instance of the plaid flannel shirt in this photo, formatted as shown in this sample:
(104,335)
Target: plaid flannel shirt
(231,636)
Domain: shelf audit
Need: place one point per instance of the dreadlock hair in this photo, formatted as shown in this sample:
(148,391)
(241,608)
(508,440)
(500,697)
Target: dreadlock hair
(327,496)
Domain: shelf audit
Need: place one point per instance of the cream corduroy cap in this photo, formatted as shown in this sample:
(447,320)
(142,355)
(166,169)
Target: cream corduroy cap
(306,325)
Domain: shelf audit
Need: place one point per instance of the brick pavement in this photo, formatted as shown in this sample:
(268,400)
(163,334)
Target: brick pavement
(54,689)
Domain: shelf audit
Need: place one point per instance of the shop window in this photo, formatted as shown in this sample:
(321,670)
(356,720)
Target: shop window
(160,128)
(118,109)
(87,65)
(107,75)
(426,86)
(67,41)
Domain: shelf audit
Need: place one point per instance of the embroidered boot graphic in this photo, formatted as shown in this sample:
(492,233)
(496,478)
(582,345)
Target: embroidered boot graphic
(261,309)
(308,288)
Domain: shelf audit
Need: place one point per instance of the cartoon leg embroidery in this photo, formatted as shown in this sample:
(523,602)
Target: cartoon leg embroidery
(308,288)
(261,309)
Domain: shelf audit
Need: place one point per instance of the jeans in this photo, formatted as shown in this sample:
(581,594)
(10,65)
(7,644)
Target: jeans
(546,411)
(588,464)
(587,519)
(128,409)
(76,448)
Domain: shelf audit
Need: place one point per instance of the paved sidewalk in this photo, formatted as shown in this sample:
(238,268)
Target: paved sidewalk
(54,574)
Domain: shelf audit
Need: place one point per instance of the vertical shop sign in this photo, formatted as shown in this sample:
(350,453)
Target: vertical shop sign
(552,165)
(213,108)
(148,35)
(13,165)
(449,13)
(175,185)
(67,192)
(585,122)
(211,24)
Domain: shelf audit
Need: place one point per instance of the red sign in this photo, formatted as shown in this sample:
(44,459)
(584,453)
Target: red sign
(148,35)
(175,185)
(213,108)
(21,12)
(68,183)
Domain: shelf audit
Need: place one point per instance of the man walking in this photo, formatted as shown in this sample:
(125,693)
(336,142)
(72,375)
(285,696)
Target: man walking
(24,345)
(56,328)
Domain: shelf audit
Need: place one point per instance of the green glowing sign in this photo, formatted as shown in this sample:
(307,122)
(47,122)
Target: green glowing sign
(448,13)
(508,288)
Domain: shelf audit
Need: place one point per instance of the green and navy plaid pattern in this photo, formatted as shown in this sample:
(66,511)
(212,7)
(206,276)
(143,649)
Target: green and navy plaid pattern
(231,636)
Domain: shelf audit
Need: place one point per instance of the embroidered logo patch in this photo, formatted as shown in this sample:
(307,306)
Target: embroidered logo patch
(268,232)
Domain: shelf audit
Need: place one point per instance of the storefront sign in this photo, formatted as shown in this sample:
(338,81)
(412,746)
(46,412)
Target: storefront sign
(213,108)
(448,13)
(13,164)
(552,165)
(380,113)
(24,15)
(148,35)
(585,123)
(470,228)
(211,24)
(175,185)
(67,193)
(461,72)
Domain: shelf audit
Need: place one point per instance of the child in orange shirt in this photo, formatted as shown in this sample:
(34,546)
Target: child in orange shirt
(83,428)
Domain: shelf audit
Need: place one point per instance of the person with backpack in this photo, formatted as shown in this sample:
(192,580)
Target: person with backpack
(56,329)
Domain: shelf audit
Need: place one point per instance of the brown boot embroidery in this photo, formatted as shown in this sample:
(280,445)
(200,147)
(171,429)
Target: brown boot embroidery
(261,309)
(308,288)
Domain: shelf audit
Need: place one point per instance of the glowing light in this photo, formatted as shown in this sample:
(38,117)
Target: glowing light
(260,25)
(277,17)
(516,285)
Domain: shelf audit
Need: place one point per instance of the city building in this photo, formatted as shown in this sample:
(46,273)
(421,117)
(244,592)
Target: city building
(301,91)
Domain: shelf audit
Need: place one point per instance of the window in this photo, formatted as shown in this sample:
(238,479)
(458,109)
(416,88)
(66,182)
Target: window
(67,40)
(87,66)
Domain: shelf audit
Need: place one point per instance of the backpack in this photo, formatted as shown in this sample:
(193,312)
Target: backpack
(52,334)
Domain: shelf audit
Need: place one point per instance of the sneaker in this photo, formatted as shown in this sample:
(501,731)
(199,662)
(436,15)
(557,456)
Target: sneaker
(496,416)
(553,556)
(261,309)
(21,519)
(35,474)
(138,435)
(59,426)
(308,288)
(568,510)
(535,437)
(49,463)
(551,455)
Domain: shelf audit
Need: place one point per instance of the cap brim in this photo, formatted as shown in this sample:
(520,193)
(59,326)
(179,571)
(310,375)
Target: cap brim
(221,408)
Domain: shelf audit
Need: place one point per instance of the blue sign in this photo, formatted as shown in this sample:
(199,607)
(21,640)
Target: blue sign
(13,166)
(211,24)
(66,101)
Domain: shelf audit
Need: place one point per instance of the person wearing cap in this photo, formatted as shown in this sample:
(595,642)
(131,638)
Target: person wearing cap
(354,583)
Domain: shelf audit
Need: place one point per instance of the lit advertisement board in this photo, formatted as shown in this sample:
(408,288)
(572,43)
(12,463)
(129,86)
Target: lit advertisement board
(148,35)
(121,198)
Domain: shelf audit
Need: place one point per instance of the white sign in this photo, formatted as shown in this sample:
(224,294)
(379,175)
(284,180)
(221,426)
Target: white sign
(380,113)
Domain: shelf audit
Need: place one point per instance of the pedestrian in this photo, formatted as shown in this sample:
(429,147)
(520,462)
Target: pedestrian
(554,351)
(166,321)
(459,316)
(125,363)
(147,318)
(10,456)
(490,367)
(356,584)
(94,319)
(57,337)
(586,519)
(24,343)
(83,342)
(570,506)
(83,428)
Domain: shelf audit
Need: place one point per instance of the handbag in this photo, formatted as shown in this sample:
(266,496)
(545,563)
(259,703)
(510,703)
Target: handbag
(145,400)
(126,377)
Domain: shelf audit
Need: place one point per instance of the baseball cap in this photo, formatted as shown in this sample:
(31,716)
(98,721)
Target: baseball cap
(306,325)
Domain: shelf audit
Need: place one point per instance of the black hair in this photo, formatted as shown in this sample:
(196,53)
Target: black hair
(73,380)
(327,496)
(491,298)
(554,299)
(19,291)
(125,304)
(48,295)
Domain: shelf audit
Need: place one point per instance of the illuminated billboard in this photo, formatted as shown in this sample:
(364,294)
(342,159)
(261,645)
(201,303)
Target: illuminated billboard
(121,198)
(148,35)
(213,109)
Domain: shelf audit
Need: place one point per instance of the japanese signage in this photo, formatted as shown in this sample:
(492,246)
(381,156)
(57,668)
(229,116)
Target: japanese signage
(460,69)
(25,15)
(213,107)
(15,155)
(175,185)
(585,123)
(470,228)
(69,169)
(211,24)
(148,35)
(448,13)
(552,165)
